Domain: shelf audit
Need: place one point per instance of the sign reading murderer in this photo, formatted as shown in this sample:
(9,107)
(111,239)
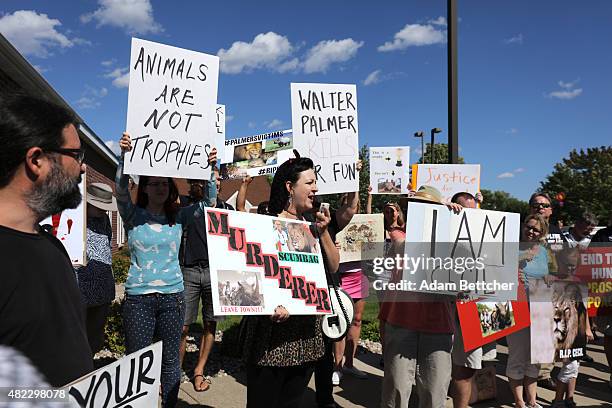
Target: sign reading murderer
(475,251)
(220,129)
(449,179)
(258,262)
(360,240)
(324,118)
(70,227)
(258,155)
(558,320)
(390,170)
(171,111)
(132,381)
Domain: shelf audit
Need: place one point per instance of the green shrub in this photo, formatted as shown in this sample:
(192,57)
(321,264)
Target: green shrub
(369,331)
(113,331)
(121,265)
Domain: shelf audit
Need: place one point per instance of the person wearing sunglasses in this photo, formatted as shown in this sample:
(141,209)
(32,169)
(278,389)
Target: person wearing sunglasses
(154,306)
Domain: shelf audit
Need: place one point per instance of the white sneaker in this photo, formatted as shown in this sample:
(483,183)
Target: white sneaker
(536,405)
(355,372)
(336,377)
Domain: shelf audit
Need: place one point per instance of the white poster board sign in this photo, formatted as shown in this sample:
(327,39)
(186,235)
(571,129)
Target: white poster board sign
(220,129)
(132,381)
(362,238)
(446,252)
(256,155)
(258,262)
(449,179)
(325,129)
(70,227)
(171,111)
(390,170)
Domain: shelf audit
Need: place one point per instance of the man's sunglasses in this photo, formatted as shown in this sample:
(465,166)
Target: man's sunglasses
(76,154)
(540,205)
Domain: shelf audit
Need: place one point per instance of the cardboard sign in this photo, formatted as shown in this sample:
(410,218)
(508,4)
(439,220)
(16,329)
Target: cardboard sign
(484,322)
(171,111)
(70,227)
(258,262)
(362,238)
(449,179)
(558,321)
(595,270)
(325,129)
(257,155)
(132,381)
(475,251)
(390,170)
(220,130)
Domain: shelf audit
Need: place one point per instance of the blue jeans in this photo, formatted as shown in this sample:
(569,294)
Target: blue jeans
(157,316)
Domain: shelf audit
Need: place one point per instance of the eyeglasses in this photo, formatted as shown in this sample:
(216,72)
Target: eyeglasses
(540,205)
(534,229)
(76,154)
(158,184)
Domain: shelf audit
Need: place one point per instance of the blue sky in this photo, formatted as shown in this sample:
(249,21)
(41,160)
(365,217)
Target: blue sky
(534,76)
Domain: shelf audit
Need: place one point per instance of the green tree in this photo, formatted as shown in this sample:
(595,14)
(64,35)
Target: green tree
(585,177)
(502,201)
(440,152)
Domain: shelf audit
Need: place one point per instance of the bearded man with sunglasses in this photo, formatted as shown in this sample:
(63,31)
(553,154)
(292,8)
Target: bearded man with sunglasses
(41,163)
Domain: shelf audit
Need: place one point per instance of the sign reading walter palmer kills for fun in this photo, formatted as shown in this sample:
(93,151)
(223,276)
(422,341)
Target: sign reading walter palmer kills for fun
(171,111)
(258,263)
(324,118)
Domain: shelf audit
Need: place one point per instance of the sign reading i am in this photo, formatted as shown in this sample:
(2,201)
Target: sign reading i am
(325,129)
(171,111)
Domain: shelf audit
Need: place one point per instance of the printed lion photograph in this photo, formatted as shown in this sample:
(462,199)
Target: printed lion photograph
(390,186)
(568,317)
(495,317)
(252,155)
(301,239)
(239,288)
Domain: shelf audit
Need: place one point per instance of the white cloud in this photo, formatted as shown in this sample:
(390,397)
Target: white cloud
(34,34)
(229,118)
(252,125)
(90,98)
(505,175)
(120,76)
(511,131)
(269,50)
(134,16)
(567,92)
(274,124)
(108,63)
(517,39)
(40,69)
(519,170)
(568,85)
(325,53)
(440,21)
(416,35)
(373,78)
(114,146)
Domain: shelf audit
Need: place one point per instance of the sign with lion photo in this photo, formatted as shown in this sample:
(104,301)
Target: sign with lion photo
(558,321)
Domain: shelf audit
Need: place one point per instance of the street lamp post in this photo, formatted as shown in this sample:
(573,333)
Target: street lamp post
(433,132)
(421,134)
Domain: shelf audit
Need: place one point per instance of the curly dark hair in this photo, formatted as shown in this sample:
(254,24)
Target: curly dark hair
(170,205)
(288,171)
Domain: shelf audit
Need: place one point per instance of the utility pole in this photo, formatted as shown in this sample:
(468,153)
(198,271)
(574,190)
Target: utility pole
(453,133)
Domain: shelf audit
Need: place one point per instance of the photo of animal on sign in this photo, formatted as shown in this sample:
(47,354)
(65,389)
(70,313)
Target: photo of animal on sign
(258,262)
(390,170)
(558,320)
(171,115)
(495,316)
(362,238)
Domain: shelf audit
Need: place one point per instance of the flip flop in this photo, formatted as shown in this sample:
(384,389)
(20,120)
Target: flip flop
(205,381)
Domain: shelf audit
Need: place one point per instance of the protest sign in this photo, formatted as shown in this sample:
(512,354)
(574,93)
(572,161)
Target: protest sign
(449,179)
(324,118)
(256,155)
(70,227)
(132,381)
(258,262)
(171,111)
(558,320)
(484,322)
(361,239)
(220,130)
(475,251)
(390,170)
(595,270)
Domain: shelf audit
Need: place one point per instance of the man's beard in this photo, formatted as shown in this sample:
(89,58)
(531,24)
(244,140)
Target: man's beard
(56,193)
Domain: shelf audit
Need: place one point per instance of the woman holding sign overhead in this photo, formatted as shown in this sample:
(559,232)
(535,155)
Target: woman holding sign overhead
(154,306)
(281,351)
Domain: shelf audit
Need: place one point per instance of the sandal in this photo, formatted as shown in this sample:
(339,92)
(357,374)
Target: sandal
(204,384)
